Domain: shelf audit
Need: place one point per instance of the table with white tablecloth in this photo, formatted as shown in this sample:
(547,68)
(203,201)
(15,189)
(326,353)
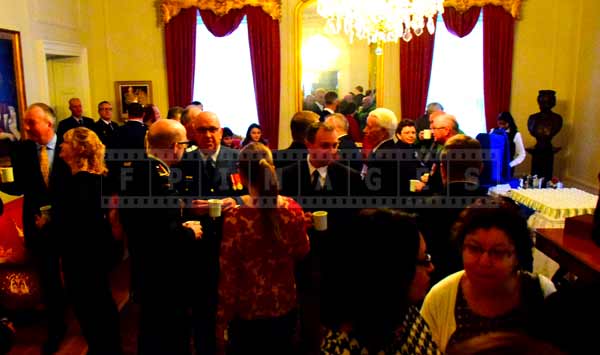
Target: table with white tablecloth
(551,207)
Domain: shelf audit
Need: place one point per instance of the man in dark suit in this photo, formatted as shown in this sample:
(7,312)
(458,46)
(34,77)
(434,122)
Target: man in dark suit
(38,174)
(320,175)
(347,148)
(207,171)
(381,176)
(460,179)
(297,150)
(75,120)
(162,242)
(131,135)
(105,128)
(319,104)
(331,104)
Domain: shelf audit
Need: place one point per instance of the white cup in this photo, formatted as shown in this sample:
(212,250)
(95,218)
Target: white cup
(320,220)
(426,134)
(413,185)
(214,208)
(6,174)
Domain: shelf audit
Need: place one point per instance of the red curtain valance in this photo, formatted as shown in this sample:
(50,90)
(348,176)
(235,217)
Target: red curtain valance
(221,26)
(460,23)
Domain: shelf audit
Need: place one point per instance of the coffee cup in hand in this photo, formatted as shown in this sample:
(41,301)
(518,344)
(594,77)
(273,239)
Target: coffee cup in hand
(6,174)
(214,208)
(320,220)
(414,184)
(45,212)
(426,134)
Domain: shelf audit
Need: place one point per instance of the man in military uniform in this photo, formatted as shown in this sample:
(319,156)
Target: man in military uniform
(105,128)
(161,240)
(208,172)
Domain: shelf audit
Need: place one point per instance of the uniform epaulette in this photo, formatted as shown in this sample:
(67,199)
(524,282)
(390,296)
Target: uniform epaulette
(162,170)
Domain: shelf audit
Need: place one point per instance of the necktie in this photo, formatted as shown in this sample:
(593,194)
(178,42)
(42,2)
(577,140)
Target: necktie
(316,180)
(44,164)
(209,169)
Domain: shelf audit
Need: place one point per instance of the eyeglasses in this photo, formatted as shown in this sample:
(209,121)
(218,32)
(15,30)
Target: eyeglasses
(204,130)
(426,261)
(438,128)
(106,109)
(494,254)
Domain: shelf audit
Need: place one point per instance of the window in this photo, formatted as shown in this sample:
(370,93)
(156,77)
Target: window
(223,77)
(457,76)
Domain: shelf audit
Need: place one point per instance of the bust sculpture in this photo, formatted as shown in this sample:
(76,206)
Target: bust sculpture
(545,124)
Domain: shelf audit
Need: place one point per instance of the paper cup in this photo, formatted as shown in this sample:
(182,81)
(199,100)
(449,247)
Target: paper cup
(320,220)
(214,208)
(426,134)
(413,185)
(45,211)
(6,174)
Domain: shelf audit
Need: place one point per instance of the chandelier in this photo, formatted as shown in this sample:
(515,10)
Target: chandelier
(380,21)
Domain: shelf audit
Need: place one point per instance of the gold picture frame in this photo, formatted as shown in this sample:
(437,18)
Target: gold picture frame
(12,92)
(132,91)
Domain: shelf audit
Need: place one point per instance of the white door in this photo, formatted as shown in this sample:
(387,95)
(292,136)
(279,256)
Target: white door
(65,81)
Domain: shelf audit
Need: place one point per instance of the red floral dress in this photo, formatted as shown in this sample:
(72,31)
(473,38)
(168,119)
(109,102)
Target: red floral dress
(256,272)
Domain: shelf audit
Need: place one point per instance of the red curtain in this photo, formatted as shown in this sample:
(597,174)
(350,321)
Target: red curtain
(265,49)
(498,39)
(461,24)
(416,58)
(221,26)
(180,48)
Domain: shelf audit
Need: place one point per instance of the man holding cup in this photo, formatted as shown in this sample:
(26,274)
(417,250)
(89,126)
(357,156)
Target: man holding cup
(38,172)
(159,242)
(209,179)
(321,175)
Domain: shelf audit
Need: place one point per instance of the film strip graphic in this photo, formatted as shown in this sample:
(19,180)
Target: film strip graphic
(314,202)
(125,160)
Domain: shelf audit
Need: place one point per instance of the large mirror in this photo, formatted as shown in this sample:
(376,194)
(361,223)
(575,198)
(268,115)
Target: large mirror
(329,61)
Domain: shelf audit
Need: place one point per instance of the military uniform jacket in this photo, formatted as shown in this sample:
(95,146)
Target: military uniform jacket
(151,214)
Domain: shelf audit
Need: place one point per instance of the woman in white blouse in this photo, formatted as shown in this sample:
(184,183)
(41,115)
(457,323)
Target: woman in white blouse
(506,122)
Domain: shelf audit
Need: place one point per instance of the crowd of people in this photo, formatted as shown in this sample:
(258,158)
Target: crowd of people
(258,276)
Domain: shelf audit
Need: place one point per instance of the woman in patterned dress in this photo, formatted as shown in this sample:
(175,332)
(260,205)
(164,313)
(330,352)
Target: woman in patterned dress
(262,240)
(387,275)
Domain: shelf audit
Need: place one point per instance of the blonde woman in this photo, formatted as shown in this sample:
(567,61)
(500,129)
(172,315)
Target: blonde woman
(86,241)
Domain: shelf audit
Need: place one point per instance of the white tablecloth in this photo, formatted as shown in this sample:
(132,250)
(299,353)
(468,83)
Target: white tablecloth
(551,207)
(556,204)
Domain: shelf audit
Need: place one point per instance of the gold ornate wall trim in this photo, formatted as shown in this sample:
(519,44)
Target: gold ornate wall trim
(511,6)
(170,8)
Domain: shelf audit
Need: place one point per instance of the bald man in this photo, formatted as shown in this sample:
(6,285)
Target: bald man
(77,119)
(444,127)
(208,171)
(159,241)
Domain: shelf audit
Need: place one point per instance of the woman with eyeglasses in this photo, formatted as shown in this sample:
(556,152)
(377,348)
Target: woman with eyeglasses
(386,276)
(494,292)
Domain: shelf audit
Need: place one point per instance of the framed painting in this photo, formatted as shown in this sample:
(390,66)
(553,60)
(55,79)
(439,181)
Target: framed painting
(132,91)
(12,92)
